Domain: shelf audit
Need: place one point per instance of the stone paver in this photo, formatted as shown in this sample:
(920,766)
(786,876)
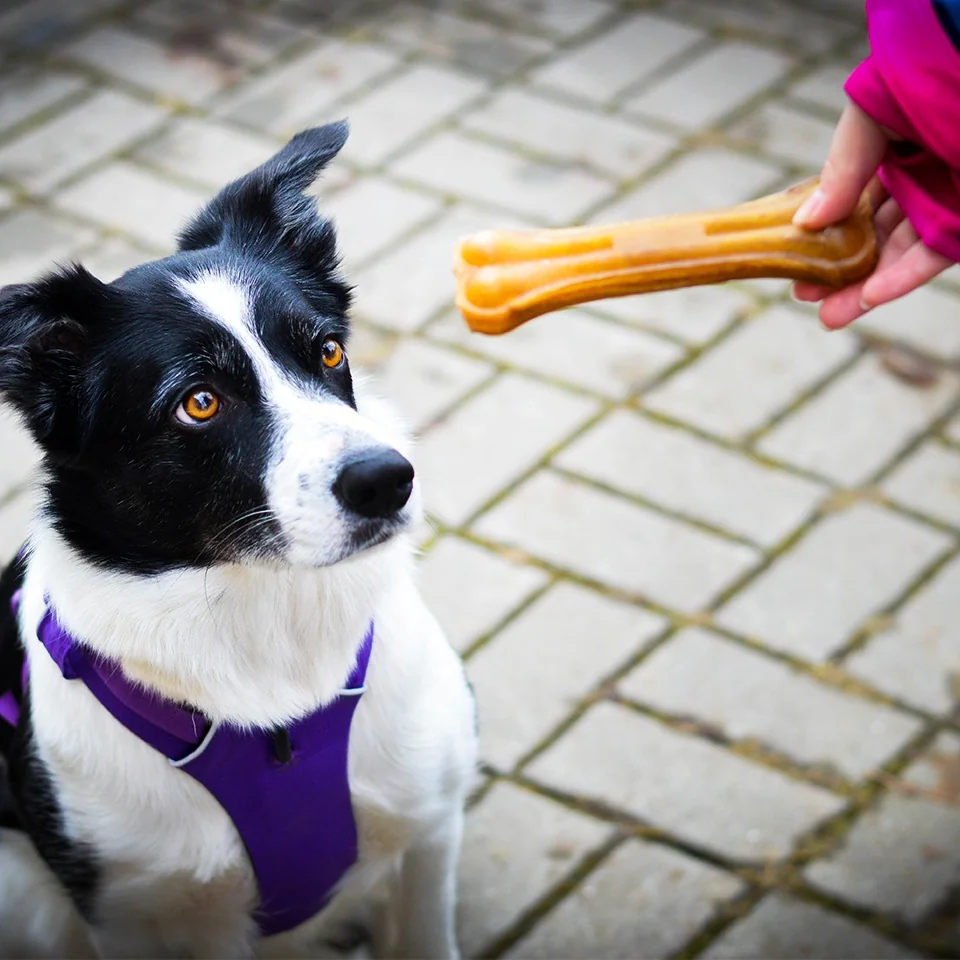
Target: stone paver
(453,164)
(406,286)
(933,773)
(373,201)
(822,87)
(595,354)
(753,374)
(45,155)
(643,901)
(122,196)
(791,929)
(607,65)
(32,241)
(786,133)
(694,315)
(396,115)
(858,423)
(926,319)
(34,25)
(714,84)
(918,658)
(814,597)
(579,135)
(629,547)
(654,517)
(698,180)
(209,153)
(112,258)
(740,496)
(516,847)
(542,662)
(424,380)
(693,789)
(491,441)
(562,18)
(749,696)
(928,481)
(951,430)
(146,63)
(283,100)
(901,857)
(470,589)
(798,26)
(25,93)
(222,31)
(473,44)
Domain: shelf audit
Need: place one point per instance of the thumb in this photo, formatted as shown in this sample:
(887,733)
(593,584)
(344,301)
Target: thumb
(859,144)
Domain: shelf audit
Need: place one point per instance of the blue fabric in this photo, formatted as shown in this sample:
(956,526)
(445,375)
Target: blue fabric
(294,813)
(948,12)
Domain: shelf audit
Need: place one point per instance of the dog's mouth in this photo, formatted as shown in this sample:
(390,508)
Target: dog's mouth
(373,533)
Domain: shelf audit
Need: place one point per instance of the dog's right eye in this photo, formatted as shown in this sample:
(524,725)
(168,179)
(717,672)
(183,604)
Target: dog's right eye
(198,406)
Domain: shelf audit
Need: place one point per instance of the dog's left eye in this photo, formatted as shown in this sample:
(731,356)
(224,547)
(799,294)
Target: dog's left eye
(199,406)
(331,353)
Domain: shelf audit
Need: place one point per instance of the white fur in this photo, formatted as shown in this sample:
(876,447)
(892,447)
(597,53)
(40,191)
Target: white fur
(315,434)
(258,645)
(37,919)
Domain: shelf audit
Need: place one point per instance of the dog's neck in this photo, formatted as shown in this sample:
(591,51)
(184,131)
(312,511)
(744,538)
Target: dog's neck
(257,646)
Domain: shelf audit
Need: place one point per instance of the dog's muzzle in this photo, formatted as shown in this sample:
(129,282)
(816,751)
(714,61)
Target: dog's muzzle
(376,484)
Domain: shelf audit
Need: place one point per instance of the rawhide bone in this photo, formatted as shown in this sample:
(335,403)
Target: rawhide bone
(505,278)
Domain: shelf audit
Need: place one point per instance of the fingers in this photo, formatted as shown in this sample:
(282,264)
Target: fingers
(857,149)
(889,216)
(842,308)
(809,292)
(916,266)
(905,264)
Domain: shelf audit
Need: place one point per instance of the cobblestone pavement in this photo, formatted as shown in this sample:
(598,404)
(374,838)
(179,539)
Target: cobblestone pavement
(700,556)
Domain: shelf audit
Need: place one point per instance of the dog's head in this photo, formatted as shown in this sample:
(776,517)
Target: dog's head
(200,409)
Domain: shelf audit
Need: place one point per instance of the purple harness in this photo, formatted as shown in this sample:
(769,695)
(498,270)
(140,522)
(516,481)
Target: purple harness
(287,792)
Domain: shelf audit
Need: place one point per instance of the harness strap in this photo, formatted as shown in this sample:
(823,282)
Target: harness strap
(292,809)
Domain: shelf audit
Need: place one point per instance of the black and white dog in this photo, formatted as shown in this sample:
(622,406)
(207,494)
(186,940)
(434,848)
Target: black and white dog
(222,560)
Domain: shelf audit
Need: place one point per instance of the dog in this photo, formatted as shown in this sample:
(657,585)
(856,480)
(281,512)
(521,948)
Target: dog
(225,538)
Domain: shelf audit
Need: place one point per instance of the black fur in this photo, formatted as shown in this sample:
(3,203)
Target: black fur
(11,665)
(27,798)
(40,815)
(97,371)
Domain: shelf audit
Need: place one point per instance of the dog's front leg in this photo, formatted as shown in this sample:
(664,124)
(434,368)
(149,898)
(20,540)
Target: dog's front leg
(162,938)
(427,895)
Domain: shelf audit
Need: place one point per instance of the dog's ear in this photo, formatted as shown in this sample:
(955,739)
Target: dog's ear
(268,203)
(44,334)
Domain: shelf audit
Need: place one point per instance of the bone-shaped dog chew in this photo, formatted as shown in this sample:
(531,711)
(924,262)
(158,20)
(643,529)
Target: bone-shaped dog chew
(505,278)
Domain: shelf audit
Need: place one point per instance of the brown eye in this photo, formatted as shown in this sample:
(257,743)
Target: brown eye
(331,353)
(199,406)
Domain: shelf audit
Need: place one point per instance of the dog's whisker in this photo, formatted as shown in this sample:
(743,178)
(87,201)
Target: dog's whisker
(210,464)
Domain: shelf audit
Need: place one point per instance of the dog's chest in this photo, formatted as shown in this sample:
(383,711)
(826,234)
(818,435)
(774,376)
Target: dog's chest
(163,842)
(165,845)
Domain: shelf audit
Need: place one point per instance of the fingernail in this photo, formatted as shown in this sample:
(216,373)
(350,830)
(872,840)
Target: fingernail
(810,207)
(864,306)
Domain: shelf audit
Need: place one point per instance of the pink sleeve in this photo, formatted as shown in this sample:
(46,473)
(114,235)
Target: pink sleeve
(910,83)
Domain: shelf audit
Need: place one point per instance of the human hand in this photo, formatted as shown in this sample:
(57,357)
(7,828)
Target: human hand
(905,261)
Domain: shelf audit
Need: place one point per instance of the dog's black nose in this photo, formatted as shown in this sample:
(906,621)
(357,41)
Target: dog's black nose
(377,484)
